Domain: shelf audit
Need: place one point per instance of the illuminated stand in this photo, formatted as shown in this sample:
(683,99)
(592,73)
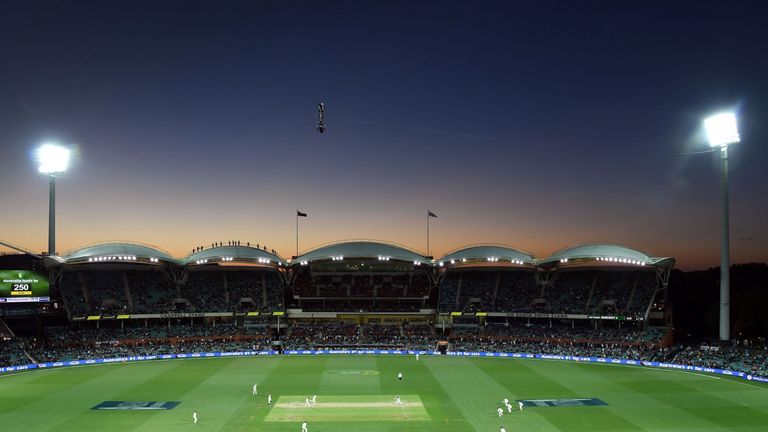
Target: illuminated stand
(722,130)
(53,159)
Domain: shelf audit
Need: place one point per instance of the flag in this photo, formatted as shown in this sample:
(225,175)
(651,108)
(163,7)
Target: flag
(430,214)
(300,214)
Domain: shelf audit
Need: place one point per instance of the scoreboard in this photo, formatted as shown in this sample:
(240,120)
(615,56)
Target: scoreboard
(23,286)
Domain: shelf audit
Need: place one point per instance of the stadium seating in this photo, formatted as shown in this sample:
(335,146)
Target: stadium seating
(748,359)
(11,353)
(357,291)
(572,291)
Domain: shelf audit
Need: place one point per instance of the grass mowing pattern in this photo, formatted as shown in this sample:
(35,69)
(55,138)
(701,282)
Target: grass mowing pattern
(456,394)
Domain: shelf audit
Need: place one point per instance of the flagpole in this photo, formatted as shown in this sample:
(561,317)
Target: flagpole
(428,254)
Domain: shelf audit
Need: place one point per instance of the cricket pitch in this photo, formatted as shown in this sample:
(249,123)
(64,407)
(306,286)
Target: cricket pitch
(350,408)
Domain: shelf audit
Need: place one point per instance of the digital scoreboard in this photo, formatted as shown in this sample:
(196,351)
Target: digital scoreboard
(23,286)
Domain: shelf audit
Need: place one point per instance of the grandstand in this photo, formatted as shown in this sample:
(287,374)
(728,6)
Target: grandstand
(113,279)
(361,276)
(128,299)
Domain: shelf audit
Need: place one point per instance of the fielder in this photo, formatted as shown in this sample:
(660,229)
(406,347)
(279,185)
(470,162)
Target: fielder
(520,405)
(506,401)
(399,376)
(255,391)
(304,426)
(306,402)
(314,400)
(397,400)
(501,429)
(417,356)
(500,411)
(269,399)
(509,407)
(194,417)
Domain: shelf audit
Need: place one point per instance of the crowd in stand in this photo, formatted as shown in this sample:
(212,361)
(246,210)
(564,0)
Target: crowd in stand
(306,335)
(151,292)
(11,353)
(86,342)
(617,292)
(97,351)
(749,358)
(390,291)
(142,292)
(76,342)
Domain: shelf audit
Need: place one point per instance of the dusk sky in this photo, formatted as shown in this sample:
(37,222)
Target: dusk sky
(539,124)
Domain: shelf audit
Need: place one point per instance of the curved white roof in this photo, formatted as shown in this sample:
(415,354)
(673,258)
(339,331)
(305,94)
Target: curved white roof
(116,249)
(361,249)
(487,252)
(609,253)
(236,253)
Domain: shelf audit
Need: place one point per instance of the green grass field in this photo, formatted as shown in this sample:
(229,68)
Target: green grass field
(355,393)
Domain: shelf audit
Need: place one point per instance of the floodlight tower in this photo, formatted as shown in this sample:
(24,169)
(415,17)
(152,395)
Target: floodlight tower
(53,159)
(722,130)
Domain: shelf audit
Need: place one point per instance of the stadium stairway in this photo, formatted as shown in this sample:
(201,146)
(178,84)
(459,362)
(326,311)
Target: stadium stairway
(5,331)
(29,356)
(7,334)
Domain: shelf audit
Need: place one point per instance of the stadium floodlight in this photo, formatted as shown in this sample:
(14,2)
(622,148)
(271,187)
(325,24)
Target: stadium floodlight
(53,159)
(722,130)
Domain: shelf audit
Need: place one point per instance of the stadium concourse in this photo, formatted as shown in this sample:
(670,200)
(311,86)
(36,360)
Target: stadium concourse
(122,299)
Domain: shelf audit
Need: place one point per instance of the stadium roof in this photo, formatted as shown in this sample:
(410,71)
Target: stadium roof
(368,249)
(604,254)
(488,253)
(117,252)
(233,254)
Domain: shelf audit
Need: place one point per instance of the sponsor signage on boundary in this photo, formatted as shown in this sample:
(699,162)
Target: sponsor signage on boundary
(390,352)
(562,402)
(136,405)
(563,316)
(132,359)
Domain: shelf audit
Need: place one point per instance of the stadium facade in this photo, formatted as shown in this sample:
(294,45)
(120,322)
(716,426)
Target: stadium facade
(120,280)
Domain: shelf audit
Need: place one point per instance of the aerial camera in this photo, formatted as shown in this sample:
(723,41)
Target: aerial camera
(320,120)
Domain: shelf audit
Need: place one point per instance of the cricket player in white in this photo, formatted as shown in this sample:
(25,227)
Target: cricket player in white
(417,356)
(506,401)
(314,400)
(500,411)
(269,399)
(304,426)
(509,407)
(255,392)
(306,402)
(501,429)
(399,376)
(397,400)
(520,405)
(194,417)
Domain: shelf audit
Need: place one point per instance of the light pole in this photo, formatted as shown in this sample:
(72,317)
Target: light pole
(53,159)
(722,130)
